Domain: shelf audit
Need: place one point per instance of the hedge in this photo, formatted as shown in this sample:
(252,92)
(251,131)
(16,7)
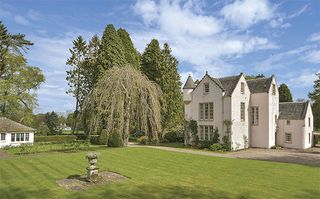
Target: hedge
(55,138)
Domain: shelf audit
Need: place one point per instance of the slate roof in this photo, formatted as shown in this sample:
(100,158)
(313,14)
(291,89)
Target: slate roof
(189,83)
(7,125)
(229,83)
(293,110)
(259,85)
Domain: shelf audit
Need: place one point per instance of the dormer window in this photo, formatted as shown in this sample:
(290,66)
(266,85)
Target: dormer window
(206,88)
(273,89)
(242,87)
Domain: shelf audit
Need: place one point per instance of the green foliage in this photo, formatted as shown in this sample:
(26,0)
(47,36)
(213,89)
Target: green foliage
(115,139)
(216,136)
(216,147)
(104,136)
(131,54)
(315,94)
(94,139)
(204,144)
(315,97)
(174,136)
(52,121)
(143,140)
(122,100)
(284,93)
(111,51)
(55,138)
(226,140)
(43,129)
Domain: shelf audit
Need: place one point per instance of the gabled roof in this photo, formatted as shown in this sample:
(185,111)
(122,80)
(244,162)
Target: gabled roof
(293,110)
(7,125)
(189,83)
(229,83)
(259,85)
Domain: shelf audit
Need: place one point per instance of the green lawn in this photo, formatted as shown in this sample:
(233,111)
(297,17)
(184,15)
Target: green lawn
(154,173)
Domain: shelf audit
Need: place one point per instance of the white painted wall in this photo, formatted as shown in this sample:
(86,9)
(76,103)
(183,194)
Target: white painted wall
(215,96)
(7,141)
(240,129)
(273,104)
(260,133)
(308,129)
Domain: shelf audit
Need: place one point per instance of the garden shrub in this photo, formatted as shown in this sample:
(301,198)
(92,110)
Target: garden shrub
(226,143)
(216,147)
(94,139)
(143,140)
(216,136)
(115,139)
(154,141)
(205,144)
(104,137)
(55,138)
(174,136)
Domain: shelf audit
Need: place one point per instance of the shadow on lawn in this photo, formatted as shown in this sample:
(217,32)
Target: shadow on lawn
(172,192)
(22,193)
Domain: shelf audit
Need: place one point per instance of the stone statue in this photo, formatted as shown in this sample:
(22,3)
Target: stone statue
(92,170)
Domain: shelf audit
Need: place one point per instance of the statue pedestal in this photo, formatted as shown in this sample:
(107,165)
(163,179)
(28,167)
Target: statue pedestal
(92,174)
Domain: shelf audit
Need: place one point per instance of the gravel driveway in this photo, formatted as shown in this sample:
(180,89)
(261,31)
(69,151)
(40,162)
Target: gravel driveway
(310,157)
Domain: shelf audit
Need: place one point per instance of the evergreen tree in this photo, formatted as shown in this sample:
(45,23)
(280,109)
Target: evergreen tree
(75,76)
(315,97)
(284,93)
(111,52)
(91,72)
(151,62)
(172,111)
(52,121)
(131,54)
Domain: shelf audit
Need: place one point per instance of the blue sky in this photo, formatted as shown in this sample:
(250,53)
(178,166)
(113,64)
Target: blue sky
(222,37)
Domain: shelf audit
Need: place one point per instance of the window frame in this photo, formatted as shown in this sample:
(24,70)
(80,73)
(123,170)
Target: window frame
(27,138)
(288,135)
(13,137)
(206,88)
(273,89)
(206,111)
(242,111)
(4,136)
(309,121)
(242,88)
(255,115)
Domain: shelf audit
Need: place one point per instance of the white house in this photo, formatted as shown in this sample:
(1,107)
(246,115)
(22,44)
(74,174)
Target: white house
(14,134)
(251,105)
(295,125)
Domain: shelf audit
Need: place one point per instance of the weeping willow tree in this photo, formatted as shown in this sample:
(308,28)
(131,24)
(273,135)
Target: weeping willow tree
(124,99)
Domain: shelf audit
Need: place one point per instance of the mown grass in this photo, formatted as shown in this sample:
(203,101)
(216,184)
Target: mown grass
(154,173)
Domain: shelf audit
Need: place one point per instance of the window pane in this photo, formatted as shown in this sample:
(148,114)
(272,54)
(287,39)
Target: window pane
(211,111)
(13,137)
(206,111)
(27,136)
(201,111)
(242,87)
(242,109)
(3,136)
(206,133)
(22,136)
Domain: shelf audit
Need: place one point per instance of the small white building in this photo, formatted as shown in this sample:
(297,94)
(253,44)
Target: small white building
(251,105)
(14,134)
(295,125)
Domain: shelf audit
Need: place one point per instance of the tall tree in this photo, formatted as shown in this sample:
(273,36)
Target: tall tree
(172,111)
(111,52)
(10,44)
(123,98)
(131,54)
(315,97)
(284,93)
(75,76)
(52,121)
(151,61)
(91,70)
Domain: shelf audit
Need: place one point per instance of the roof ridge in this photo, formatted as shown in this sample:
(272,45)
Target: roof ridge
(259,78)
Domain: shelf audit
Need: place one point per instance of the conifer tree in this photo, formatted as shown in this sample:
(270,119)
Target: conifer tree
(315,97)
(131,54)
(151,62)
(111,52)
(172,112)
(284,93)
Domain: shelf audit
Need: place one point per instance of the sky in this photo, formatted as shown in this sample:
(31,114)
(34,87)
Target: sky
(223,37)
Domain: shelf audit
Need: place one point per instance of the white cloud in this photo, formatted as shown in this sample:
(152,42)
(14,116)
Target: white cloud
(315,37)
(313,56)
(245,13)
(301,79)
(21,20)
(194,37)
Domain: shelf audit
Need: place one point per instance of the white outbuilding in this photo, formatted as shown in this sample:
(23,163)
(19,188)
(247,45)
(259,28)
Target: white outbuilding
(14,134)
(295,125)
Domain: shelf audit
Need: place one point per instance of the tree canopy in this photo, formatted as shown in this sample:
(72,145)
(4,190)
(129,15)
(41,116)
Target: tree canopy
(284,93)
(123,99)
(315,97)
